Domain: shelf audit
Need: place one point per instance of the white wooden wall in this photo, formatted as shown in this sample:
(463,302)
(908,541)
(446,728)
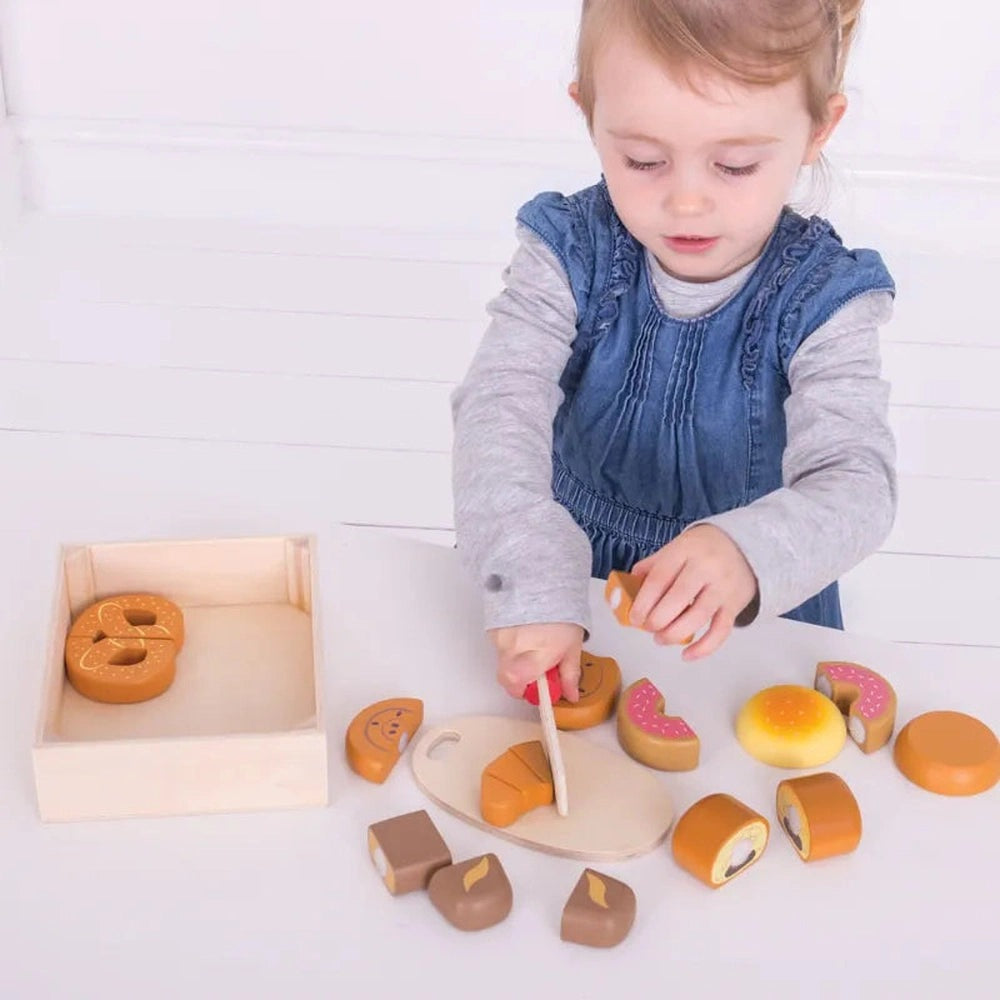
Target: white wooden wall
(259,237)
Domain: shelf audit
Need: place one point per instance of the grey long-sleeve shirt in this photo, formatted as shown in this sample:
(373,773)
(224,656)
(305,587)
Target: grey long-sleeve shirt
(835,507)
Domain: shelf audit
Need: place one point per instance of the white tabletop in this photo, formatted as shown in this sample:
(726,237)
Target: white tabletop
(288,904)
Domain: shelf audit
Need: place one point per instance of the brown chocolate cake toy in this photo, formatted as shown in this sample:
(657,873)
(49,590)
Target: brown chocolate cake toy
(407,850)
(472,895)
(599,912)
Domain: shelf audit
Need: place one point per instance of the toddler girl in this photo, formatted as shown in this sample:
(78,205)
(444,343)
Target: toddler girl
(681,377)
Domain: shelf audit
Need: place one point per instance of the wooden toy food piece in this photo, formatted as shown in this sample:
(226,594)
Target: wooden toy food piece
(620,591)
(949,753)
(472,895)
(665,742)
(130,616)
(379,733)
(819,814)
(719,837)
(123,649)
(518,781)
(599,912)
(791,726)
(407,850)
(620,808)
(864,697)
(600,680)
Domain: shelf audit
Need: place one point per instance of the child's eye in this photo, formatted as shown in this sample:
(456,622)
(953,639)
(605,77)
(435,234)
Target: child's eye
(641,164)
(750,168)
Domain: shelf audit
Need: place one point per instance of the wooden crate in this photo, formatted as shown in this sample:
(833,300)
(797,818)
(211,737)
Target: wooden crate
(240,728)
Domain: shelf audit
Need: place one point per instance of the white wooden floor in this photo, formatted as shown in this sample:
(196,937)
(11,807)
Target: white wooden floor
(174,379)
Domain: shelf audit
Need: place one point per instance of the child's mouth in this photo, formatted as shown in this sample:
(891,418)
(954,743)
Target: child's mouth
(690,244)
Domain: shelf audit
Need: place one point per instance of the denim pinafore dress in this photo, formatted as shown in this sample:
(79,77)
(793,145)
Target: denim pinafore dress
(666,421)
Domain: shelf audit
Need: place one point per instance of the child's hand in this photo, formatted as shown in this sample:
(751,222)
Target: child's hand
(525,652)
(700,577)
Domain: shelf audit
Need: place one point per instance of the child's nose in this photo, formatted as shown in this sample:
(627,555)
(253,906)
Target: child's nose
(686,195)
(685,201)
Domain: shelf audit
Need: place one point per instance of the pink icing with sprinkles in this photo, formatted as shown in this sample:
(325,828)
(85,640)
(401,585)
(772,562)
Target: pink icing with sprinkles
(643,712)
(874,692)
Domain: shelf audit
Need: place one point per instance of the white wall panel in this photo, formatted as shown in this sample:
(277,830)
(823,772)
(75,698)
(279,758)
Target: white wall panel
(451,68)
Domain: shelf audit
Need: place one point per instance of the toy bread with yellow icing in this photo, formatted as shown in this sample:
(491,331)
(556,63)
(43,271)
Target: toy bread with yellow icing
(791,726)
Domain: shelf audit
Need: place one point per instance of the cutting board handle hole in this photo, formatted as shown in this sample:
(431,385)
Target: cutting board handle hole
(442,746)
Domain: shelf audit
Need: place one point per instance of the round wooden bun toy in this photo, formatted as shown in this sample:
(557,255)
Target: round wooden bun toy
(123,649)
(949,753)
(791,726)
(819,814)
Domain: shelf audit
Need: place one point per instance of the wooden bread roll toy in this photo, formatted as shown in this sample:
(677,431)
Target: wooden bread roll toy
(406,851)
(864,697)
(665,742)
(950,753)
(516,782)
(791,726)
(819,814)
(620,591)
(378,735)
(719,837)
(472,895)
(123,649)
(599,912)
(600,680)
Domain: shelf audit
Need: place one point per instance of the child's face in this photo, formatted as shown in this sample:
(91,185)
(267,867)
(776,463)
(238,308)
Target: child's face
(679,165)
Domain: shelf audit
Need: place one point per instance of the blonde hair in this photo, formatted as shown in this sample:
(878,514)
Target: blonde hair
(755,42)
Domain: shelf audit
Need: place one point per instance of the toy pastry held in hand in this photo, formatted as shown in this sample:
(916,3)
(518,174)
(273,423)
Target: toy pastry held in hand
(123,649)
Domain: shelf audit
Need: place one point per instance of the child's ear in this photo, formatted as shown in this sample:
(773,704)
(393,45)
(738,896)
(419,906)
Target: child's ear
(836,105)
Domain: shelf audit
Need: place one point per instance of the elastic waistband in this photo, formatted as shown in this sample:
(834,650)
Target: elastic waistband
(647,530)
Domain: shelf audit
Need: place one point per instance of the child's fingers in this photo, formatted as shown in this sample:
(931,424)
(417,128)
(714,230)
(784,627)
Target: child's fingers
(690,621)
(569,675)
(721,627)
(682,593)
(516,672)
(662,574)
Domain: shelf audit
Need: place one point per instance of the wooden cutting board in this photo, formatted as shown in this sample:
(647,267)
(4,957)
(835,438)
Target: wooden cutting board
(618,808)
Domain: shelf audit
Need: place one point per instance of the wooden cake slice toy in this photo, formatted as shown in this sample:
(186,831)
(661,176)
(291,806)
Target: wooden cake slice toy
(819,814)
(950,753)
(472,895)
(865,699)
(665,742)
(123,649)
(599,912)
(791,726)
(407,850)
(719,837)
(378,735)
